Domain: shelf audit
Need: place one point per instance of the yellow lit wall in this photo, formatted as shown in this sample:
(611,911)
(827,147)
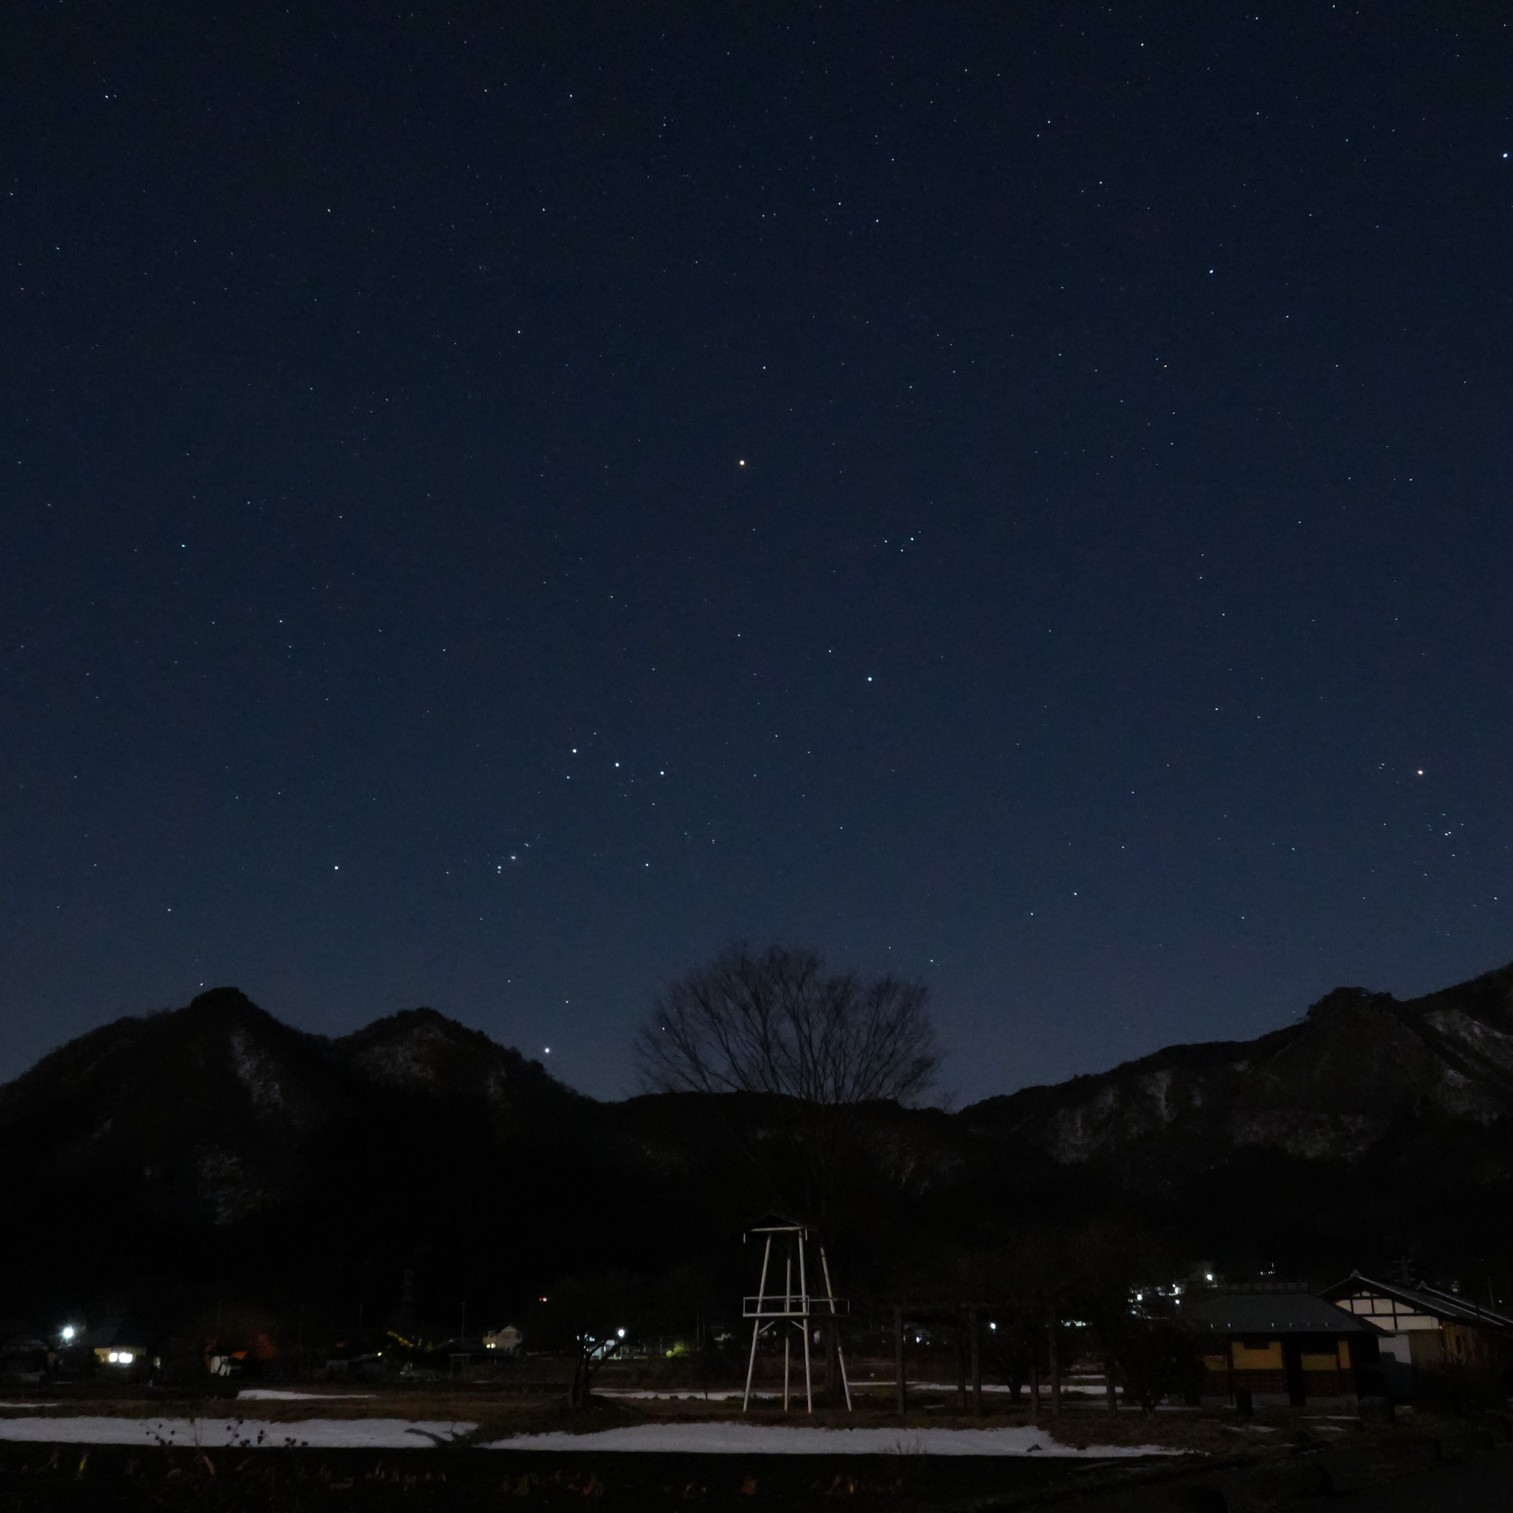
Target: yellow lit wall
(1268,1358)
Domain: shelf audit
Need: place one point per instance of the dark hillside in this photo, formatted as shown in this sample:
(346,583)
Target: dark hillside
(399,1173)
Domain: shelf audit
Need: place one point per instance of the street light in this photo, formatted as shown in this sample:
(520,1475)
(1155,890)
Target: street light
(68,1332)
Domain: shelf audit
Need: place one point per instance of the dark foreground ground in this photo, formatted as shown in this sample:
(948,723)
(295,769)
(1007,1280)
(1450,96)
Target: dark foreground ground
(78,1479)
(66,1478)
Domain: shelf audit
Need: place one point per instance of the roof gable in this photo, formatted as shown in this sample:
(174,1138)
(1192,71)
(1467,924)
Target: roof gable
(1447,1307)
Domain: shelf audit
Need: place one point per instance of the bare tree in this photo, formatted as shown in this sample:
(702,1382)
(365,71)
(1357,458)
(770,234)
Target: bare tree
(775,1022)
(814,1047)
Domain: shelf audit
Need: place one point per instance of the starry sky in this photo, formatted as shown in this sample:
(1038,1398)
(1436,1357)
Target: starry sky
(499,501)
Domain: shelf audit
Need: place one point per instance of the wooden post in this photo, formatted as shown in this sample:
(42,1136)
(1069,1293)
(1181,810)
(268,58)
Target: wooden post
(899,1389)
(756,1323)
(1055,1355)
(974,1344)
(961,1362)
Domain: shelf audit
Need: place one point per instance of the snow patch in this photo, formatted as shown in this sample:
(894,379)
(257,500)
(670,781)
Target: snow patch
(1159,1088)
(277,1395)
(212,1433)
(1476,1035)
(256,1070)
(405,1061)
(778,1439)
(225,1189)
(666,1439)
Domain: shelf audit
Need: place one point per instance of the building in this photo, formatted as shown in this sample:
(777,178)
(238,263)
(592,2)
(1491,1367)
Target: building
(505,1341)
(1424,1328)
(1277,1345)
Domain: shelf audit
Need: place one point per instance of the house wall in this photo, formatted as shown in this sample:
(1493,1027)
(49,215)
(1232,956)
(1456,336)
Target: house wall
(1258,1368)
(1387,1313)
(1425,1340)
(1468,1346)
(1426,1349)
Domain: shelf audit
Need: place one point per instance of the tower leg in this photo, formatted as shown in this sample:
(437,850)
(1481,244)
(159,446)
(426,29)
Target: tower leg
(836,1325)
(804,1318)
(787,1338)
(756,1323)
(900,1387)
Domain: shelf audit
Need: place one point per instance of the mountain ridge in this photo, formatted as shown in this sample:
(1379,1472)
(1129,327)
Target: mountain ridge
(1329,1085)
(224,1149)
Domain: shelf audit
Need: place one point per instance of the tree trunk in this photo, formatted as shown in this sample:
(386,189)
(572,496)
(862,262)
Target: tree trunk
(900,1391)
(974,1345)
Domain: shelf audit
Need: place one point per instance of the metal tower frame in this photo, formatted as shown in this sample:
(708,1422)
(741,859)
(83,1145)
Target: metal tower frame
(772,1310)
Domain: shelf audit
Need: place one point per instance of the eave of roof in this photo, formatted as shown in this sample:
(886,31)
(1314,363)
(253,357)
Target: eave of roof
(1430,1300)
(1271,1313)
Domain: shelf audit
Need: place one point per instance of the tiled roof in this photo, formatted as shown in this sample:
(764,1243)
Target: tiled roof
(1269,1313)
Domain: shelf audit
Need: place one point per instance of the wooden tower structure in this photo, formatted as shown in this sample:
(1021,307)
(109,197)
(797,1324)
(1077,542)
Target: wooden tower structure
(784,1302)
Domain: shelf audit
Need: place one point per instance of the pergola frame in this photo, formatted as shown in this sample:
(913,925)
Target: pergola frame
(965,1315)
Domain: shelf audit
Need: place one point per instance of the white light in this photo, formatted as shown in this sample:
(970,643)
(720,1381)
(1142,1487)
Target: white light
(125,1358)
(619,1334)
(992,1326)
(1208,1276)
(114,1356)
(68,1332)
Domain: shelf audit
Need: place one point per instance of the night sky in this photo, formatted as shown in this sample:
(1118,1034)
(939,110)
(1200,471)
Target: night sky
(501,501)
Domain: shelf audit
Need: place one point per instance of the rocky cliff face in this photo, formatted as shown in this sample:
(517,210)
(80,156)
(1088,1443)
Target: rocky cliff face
(1328,1088)
(204,1109)
(422,1053)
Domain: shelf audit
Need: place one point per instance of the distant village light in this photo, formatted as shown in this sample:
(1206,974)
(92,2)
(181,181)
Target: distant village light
(68,1331)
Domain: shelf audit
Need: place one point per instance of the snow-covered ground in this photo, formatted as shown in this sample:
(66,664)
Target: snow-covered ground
(766,1394)
(680,1394)
(322,1433)
(281,1395)
(782,1439)
(666,1439)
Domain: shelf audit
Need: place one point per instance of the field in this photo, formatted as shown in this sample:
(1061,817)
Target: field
(324,1449)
